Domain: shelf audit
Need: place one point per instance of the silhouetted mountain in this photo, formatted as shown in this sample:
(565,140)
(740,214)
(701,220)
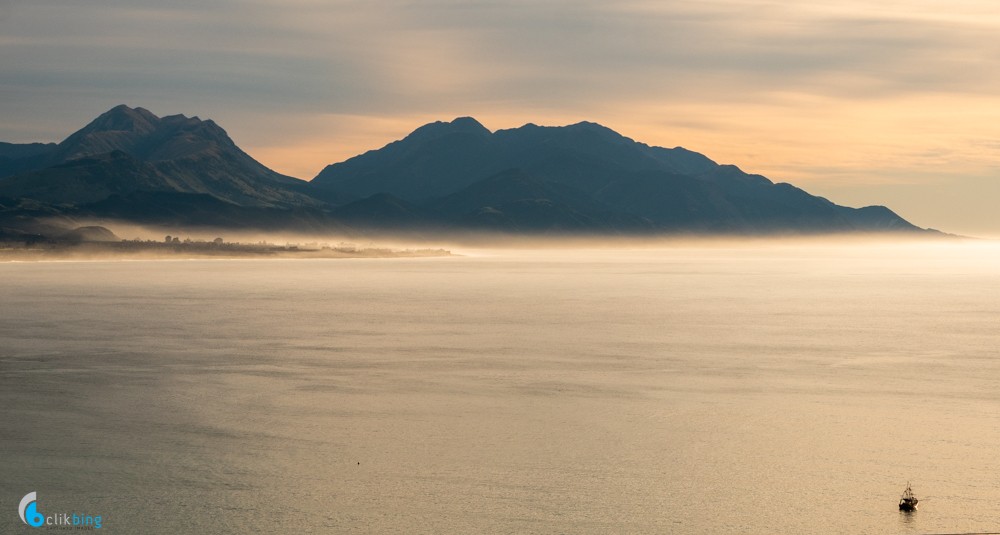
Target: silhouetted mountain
(90,233)
(21,157)
(434,160)
(14,151)
(128,149)
(582,177)
(442,158)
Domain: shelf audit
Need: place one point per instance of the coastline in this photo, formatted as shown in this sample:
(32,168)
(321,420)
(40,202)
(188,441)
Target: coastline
(148,250)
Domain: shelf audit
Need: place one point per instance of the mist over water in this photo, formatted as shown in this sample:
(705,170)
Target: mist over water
(762,388)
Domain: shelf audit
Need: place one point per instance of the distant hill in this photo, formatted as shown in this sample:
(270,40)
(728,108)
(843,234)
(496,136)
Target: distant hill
(441,158)
(14,151)
(17,158)
(130,149)
(131,165)
(90,234)
(580,178)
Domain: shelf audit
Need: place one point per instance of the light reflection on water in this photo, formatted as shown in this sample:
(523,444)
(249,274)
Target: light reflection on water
(748,390)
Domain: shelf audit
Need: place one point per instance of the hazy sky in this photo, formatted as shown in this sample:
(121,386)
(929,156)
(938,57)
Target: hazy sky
(887,102)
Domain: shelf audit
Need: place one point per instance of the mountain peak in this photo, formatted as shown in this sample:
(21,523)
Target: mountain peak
(124,118)
(595,128)
(460,125)
(589,125)
(468,123)
(115,129)
(140,133)
(129,149)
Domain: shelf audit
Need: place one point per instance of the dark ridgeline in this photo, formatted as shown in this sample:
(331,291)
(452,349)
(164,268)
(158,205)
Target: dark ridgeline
(131,165)
(584,178)
(126,150)
(17,158)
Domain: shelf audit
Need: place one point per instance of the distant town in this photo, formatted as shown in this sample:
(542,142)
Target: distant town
(185,247)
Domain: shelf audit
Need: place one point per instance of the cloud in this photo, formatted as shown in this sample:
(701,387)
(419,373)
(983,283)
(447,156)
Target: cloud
(342,57)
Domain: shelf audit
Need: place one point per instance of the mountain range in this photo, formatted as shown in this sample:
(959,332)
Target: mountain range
(128,164)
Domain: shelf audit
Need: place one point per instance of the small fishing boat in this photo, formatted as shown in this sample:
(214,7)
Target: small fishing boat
(908,502)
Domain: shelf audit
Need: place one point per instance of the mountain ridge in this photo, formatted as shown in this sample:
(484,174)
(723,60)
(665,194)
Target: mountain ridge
(453,175)
(671,190)
(178,153)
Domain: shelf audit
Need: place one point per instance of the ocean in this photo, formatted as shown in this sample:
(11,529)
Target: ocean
(760,387)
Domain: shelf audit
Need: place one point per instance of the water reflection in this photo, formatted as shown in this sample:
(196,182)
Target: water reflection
(908,520)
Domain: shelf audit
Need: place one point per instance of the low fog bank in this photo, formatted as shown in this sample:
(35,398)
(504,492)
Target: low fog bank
(74,240)
(498,239)
(110,240)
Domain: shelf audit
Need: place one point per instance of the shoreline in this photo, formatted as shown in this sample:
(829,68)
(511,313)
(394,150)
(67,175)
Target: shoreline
(129,250)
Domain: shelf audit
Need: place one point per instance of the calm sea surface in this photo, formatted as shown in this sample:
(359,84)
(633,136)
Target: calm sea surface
(753,389)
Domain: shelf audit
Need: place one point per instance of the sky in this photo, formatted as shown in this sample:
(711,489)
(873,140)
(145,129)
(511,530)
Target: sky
(889,102)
